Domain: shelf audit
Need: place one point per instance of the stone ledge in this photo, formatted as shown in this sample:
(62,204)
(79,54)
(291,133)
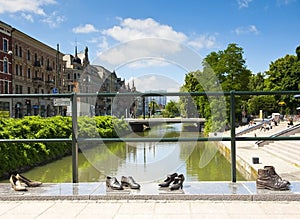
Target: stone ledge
(213,191)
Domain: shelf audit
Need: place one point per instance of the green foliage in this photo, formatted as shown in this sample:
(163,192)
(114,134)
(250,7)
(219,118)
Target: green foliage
(265,103)
(171,110)
(223,71)
(283,74)
(15,156)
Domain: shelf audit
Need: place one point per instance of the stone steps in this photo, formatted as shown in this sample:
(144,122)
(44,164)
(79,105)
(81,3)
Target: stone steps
(286,150)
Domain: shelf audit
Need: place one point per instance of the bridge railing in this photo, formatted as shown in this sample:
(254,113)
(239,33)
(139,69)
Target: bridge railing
(76,139)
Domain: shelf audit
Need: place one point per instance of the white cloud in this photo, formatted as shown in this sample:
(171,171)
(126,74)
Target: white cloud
(203,41)
(29,6)
(246,30)
(152,43)
(87,28)
(27,17)
(285,2)
(53,20)
(132,29)
(243,3)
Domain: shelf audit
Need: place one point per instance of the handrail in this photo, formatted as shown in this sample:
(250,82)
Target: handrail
(283,132)
(75,139)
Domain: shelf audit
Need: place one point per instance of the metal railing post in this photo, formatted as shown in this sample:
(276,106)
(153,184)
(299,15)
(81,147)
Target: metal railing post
(232,131)
(74,139)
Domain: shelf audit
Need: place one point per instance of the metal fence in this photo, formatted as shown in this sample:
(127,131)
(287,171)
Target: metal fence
(75,139)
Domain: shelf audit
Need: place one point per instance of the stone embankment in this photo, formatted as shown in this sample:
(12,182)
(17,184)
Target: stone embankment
(282,154)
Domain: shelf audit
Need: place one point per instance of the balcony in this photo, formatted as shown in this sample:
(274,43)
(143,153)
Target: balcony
(50,82)
(37,79)
(37,64)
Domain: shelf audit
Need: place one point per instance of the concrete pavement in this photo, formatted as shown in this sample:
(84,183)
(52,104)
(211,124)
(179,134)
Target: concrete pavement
(148,209)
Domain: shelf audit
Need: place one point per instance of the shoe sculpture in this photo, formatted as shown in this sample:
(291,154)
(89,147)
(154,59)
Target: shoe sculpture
(113,183)
(178,182)
(129,182)
(269,179)
(28,182)
(168,180)
(16,184)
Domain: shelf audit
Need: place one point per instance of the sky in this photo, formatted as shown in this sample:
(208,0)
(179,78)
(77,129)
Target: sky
(155,43)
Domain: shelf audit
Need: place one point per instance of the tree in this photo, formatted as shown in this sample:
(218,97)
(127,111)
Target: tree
(223,71)
(257,82)
(283,75)
(229,66)
(298,52)
(171,110)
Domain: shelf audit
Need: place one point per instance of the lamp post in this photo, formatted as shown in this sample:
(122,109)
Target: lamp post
(153,110)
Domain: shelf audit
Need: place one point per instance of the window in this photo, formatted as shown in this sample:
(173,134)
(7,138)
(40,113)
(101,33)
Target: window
(5,45)
(16,50)
(28,55)
(28,90)
(17,69)
(5,66)
(20,51)
(28,73)
(6,87)
(21,70)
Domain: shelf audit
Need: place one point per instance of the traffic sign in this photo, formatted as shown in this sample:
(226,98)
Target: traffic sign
(55,90)
(61,102)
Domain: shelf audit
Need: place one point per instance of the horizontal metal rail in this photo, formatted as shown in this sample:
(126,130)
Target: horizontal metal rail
(279,138)
(76,139)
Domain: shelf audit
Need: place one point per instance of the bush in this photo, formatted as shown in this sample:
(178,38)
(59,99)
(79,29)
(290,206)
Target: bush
(18,156)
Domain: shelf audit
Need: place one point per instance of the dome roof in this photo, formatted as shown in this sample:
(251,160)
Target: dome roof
(76,60)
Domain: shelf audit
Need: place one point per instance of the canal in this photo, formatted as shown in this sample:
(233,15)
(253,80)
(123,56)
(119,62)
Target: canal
(145,161)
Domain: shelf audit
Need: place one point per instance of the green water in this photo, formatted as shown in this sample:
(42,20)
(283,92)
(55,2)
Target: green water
(146,162)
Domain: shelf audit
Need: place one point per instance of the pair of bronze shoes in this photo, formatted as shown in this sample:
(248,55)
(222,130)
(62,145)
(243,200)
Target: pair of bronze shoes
(17,180)
(173,181)
(114,184)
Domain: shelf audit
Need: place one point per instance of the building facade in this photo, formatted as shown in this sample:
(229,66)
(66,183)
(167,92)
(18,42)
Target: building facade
(28,66)
(5,68)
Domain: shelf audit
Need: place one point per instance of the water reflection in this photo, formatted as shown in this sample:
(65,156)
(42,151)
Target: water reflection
(145,161)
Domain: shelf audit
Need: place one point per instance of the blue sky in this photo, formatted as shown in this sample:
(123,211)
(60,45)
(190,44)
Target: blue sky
(265,29)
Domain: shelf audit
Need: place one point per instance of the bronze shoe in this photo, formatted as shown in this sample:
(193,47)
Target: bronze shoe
(168,180)
(28,182)
(16,184)
(178,182)
(275,175)
(268,180)
(113,183)
(129,182)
